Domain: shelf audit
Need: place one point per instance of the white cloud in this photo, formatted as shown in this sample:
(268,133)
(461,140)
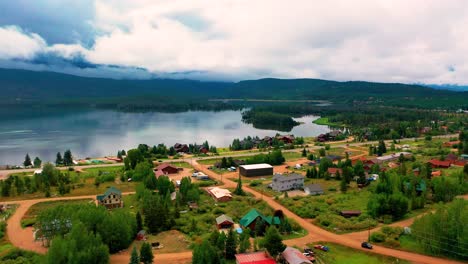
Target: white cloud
(14,43)
(375,40)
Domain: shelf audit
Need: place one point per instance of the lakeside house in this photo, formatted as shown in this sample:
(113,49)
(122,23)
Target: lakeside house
(283,183)
(219,194)
(112,198)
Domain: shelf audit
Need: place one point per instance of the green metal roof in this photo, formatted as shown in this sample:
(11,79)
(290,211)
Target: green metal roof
(108,191)
(252,216)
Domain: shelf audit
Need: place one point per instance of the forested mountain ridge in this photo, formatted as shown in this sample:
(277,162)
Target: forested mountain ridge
(21,87)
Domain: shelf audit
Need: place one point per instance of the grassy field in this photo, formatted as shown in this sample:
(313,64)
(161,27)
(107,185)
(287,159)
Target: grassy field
(324,121)
(29,218)
(344,255)
(172,241)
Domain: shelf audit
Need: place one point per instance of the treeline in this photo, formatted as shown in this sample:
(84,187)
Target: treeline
(273,158)
(444,232)
(44,182)
(262,143)
(269,120)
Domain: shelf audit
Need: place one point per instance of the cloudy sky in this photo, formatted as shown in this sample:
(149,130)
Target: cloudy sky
(417,41)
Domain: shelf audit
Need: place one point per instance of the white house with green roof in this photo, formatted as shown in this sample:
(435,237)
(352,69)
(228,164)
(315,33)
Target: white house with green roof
(112,198)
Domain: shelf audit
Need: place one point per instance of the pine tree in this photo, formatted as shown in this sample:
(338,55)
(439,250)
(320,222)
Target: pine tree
(139,221)
(58,159)
(239,190)
(37,162)
(146,254)
(27,161)
(343,185)
(67,158)
(273,241)
(231,245)
(134,259)
(304,153)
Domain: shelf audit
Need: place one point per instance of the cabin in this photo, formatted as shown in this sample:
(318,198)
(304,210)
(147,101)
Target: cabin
(167,168)
(224,222)
(219,194)
(251,217)
(261,257)
(293,256)
(283,183)
(112,198)
(313,189)
(261,169)
(181,148)
(334,171)
(287,139)
(350,213)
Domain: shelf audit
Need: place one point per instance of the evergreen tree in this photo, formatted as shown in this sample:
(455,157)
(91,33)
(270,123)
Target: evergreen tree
(119,154)
(146,254)
(58,159)
(343,185)
(27,161)
(67,158)
(139,221)
(224,163)
(238,189)
(304,153)
(244,241)
(37,162)
(134,259)
(273,241)
(231,245)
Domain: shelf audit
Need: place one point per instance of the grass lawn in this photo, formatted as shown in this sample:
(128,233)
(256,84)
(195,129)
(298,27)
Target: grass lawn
(29,218)
(344,255)
(291,156)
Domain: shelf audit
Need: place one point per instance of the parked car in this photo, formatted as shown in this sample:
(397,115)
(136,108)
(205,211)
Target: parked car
(308,251)
(366,245)
(322,247)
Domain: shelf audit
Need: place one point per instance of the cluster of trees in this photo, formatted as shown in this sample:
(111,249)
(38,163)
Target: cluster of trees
(66,160)
(146,255)
(251,142)
(84,232)
(44,181)
(220,247)
(444,232)
(273,158)
(269,120)
(379,150)
(28,163)
(463,145)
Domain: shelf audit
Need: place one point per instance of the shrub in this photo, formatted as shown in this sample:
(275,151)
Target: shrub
(332,189)
(255,183)
(377,237)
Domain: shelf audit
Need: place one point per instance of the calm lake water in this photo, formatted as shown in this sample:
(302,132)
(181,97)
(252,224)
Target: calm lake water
(99,133)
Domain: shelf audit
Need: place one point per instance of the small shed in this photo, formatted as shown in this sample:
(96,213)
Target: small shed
(313,189)
(141,235)
(224,221)
(350,213)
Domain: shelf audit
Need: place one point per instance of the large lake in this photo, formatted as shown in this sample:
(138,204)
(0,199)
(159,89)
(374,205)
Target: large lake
(99,133)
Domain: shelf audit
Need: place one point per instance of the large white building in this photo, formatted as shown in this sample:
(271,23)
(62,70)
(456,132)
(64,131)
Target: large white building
(283,183)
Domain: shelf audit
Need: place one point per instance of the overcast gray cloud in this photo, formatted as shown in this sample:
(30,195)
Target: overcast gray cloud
(420,41)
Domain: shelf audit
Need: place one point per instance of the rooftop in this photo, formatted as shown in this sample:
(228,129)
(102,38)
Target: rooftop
(294,256)
(218,192)
(254,258)
(256,166)
(223,218)
(292,176)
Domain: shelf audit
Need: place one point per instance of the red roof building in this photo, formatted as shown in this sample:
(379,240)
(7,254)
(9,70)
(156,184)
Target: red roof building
(435,163)
(436,173)
(254,258)
(334,171)
(450,144)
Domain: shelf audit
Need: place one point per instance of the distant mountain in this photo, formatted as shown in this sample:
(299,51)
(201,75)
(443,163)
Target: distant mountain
(458,88)
(21,87)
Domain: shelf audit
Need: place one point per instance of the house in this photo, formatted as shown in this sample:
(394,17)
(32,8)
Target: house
(181,148)
(332,135)
(224,222)
(283,183)
(392,157)
(334,171)
(464,156)
(202,176)
(112,198)
(313,189)
(287,139)
(452,157)
(451,144)
(220,195)
(141,235)
(251,217)
(261,169)
(350,213)
(435,163)
(294,256)
(254,258)
(334,158)
(167,168)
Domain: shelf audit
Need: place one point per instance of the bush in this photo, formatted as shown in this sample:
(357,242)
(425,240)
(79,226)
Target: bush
(2,229)
(377,237)
(255,183)
(332,189)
